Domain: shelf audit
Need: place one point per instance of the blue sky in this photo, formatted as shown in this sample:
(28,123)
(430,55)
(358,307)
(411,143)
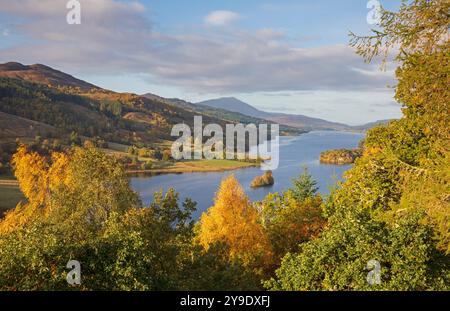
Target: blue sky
(322,21)
(287,56)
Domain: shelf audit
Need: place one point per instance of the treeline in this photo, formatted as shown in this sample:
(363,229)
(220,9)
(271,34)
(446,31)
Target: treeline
(80,206)
(393,208)
(64,111)
(122,118)
(93,114)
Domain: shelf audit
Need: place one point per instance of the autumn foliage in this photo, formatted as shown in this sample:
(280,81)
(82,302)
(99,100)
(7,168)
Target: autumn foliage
(234,221)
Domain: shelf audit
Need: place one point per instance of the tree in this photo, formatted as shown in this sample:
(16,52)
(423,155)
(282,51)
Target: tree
(393,206)
(133,250)
(80,207)
(413,153)
(167,155)
(75,139)
(234,221)
(132,150)
(304,186)
(81,187)
(293,217)
(212,270)
(338,260)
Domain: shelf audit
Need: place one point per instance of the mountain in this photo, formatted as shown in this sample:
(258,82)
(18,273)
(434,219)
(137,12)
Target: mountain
(370,125)
(235,105)
(296,121)
(43,75)
(37,100)
(307,123)
(228,115)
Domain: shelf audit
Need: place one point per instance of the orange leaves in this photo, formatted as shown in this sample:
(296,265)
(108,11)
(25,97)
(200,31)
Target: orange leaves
(81,187)
(18,217)
(234,221)
(31,172)
(59,173)
(38,176)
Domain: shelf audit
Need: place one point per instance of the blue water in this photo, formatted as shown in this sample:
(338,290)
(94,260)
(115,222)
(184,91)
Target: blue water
(295,153)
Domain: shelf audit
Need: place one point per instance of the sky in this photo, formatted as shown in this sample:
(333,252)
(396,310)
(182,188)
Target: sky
(288,56)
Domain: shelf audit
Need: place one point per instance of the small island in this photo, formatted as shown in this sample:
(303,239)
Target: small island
(266,180)
(340,156)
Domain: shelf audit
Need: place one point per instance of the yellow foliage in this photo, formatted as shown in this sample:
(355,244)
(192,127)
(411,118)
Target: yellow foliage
(31,172)
(18,217)
(234,221)
(38,177)
(59,172)
(371,151)
(79,188)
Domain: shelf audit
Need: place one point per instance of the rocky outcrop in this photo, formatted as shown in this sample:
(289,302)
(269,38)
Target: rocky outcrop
(265,180)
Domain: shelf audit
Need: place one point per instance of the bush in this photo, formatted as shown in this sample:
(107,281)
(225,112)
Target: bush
(265,180)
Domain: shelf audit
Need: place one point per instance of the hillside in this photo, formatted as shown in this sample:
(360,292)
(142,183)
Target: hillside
(12,127)
(307,123)
(297,121)
(42,74)
(368,126)
(224,114)
(49,98)
(220,113)
(235,105)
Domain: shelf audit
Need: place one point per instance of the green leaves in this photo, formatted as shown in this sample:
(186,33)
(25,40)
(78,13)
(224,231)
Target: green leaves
(394,206)
(304,186)
(337,260)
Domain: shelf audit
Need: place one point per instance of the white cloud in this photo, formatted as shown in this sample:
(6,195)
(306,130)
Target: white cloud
(221,18)
(116,37)
(350,107)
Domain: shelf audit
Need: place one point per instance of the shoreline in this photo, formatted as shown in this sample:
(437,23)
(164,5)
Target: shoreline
(190,169)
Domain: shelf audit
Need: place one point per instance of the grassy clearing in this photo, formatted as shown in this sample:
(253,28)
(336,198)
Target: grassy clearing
(10,195)
(197,166)
(117,147)
(161,167)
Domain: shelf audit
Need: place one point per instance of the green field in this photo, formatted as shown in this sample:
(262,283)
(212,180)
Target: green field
(197,166)
(10,195)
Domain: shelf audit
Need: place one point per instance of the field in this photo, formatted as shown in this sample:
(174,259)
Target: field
(10,194)
(197,166)
(160,167)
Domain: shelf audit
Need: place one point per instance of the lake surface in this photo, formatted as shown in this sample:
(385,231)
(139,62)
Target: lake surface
(295,153)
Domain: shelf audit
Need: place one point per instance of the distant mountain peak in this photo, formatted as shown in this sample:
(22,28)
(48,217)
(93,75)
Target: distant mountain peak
(42,67)
(232,98)
(297,121)
(235,105)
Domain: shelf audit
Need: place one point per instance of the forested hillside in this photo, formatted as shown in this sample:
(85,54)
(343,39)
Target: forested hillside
(392,211)
(112,116)
(227,114)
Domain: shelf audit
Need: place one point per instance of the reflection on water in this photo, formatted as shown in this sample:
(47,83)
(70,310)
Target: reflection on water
(295,152)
